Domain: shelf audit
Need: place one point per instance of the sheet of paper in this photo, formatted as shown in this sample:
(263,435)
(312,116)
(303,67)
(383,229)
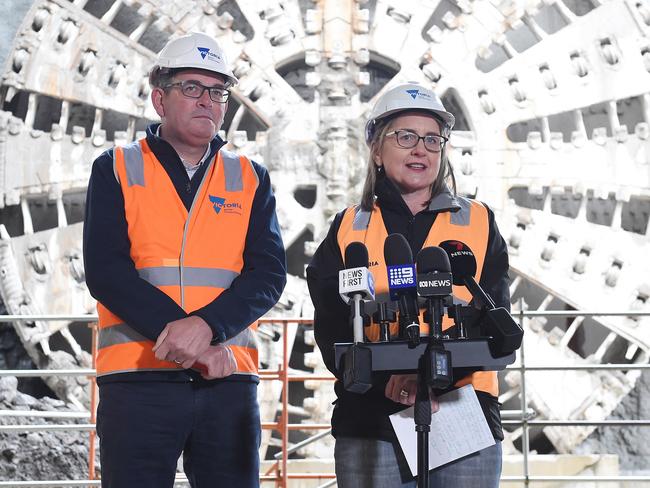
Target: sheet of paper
(459,428)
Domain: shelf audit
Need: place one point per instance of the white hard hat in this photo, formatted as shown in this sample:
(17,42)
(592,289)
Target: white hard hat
(409,96)
(195,50)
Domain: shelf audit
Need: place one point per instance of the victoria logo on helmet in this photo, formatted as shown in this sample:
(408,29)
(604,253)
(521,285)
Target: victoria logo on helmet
(413,93)
(417,93)
(205,52)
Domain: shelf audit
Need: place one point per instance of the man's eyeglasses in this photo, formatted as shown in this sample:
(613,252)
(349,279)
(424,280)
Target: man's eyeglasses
(194,89)
(409,139)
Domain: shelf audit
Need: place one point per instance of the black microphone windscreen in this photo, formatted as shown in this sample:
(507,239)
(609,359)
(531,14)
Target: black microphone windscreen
(432,259)
(462,260)
(356,255)
(397,250)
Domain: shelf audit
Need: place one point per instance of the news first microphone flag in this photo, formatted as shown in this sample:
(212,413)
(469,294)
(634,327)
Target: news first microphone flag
(356,280)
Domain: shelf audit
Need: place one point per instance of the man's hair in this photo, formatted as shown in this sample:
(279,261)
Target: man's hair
(161,77)
(444,179)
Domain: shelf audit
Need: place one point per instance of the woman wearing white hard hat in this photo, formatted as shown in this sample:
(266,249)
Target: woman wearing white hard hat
(409,190)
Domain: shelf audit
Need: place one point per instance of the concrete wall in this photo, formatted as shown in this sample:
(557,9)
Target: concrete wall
(10,24)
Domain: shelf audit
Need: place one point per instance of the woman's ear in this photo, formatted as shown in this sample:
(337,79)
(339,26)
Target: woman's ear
(375,157)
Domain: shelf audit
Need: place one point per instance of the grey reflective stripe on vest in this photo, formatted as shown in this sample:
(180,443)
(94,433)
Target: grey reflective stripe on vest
(123,334)
(361,219)
(133,162)
(118,334)
(459,301)
(461,217)
(246,338)
(444,201)
(168,276)
(232,171)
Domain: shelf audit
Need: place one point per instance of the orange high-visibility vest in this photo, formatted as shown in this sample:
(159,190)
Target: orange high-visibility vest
(469,224)
(191,256)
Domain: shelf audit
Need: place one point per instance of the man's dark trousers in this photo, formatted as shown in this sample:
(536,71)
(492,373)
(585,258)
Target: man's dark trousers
(144,426)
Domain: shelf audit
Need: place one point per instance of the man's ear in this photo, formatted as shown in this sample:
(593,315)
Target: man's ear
(157,100)
(223,116)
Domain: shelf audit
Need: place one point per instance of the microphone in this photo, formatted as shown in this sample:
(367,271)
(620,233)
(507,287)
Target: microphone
(506,333)
(356,283)
(434,284)
(463,264)
(402,287)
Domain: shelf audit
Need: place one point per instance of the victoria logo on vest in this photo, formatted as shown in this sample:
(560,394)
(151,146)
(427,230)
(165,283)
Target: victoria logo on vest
(219,203)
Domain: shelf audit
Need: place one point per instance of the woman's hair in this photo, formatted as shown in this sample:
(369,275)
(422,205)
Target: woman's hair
(444,179)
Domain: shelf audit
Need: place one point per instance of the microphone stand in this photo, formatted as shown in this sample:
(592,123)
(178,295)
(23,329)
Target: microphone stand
(422,417)
(356,317)
(408,322)
(383,316)
(434,370)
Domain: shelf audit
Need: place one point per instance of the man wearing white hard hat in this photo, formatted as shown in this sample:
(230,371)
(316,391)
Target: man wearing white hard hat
(409,190)
(183,253)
